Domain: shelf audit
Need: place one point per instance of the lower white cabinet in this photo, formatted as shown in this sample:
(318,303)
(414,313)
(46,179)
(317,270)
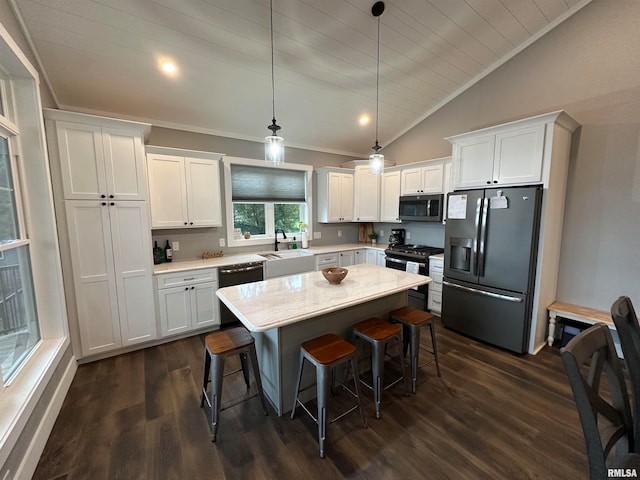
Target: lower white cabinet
(112,271)
(436,270)
(346,258)
(187,301)
(326,260)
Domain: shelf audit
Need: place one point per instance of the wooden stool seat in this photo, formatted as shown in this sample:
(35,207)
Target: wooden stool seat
(412,320)
(328,349)
(327,352)
(218,346)
(378,333)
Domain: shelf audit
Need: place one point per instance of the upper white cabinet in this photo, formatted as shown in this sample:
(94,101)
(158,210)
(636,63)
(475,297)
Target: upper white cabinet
(511,154)
(426,179)
(366,195)
(184,188)
(335,194)
(100,161)
(390,197)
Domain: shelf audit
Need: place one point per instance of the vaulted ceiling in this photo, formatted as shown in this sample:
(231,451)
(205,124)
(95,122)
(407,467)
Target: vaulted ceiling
(103,56)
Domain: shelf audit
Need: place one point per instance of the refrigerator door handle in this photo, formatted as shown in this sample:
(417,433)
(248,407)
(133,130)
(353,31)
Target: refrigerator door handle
(483,236)
(482,292)
(475,240)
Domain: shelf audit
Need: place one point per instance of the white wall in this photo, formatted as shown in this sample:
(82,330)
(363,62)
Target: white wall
(588,66)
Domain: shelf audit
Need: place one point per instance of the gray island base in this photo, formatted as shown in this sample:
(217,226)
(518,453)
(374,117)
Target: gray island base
(283,312)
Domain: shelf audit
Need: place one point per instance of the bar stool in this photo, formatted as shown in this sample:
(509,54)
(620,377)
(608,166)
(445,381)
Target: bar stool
(412,320)
(379,333)
(326,353)
(218,346)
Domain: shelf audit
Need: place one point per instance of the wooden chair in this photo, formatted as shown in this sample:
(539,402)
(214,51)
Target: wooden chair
(218,346)
(378,333)
(626,322)
(326,353)
(606,425)
(412,320)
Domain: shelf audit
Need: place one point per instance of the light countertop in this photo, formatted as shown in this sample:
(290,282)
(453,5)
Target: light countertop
(282,301)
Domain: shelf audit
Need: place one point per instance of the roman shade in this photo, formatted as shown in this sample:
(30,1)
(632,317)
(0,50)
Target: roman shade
(262,184)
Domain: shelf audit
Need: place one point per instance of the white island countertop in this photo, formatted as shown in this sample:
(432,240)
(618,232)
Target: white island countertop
(282,301)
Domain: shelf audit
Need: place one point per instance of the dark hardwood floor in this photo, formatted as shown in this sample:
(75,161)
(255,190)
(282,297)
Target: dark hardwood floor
(492,415)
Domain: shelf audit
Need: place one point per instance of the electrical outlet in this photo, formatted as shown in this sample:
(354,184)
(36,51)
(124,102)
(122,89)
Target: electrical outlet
(382,233)
(339,233)
(317,234)
(408,235)
(176,246)
(222,243)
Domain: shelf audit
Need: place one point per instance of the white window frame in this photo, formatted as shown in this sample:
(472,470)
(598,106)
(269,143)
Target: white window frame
(269,237)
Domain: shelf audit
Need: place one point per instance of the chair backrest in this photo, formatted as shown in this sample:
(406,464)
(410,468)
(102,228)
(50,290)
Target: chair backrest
(606,423)
(626,322)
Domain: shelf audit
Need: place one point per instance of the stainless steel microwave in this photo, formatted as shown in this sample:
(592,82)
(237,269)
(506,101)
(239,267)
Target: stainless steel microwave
(421,208)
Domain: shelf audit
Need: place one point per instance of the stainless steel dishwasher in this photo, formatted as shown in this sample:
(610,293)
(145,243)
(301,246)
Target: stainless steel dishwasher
(238,274)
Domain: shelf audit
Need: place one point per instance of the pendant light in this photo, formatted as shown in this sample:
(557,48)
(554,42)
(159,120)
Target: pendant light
(376,160)
(273,144)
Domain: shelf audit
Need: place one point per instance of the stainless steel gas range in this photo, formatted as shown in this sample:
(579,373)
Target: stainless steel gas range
(412,258)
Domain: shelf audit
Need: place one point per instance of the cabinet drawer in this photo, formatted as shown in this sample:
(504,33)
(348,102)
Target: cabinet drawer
(326,260)
(188,277)
(436,285)
(435,301)
(436,266)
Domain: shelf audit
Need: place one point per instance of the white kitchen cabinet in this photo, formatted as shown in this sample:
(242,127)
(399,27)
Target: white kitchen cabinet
(366,195)
(447,185)
(112,270)
(97,159)
(359,256)
(326,260)
(505,157)
(426,179)
(346,258)
(187,301)
(371,256)
(184,191)
(335,195)
(390,197)
(382,259)
(436,270)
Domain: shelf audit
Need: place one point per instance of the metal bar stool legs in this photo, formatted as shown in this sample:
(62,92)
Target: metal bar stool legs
(412,320)
(326,353)
(379,333)
(219,346)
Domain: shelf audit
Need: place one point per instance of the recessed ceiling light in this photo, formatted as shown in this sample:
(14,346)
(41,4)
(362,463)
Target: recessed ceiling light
(364,120)
(168,67)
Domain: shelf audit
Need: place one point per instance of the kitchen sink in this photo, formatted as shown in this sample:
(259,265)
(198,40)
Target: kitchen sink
(287,262)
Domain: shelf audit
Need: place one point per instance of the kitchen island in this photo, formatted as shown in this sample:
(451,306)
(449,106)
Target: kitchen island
(283,312)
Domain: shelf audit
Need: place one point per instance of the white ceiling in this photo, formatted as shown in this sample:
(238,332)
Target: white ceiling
(102,56)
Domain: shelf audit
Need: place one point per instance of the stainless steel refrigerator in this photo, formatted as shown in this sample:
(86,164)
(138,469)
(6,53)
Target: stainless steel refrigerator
(491,247)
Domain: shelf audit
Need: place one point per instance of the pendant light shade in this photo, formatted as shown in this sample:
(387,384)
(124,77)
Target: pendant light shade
(273,144)
(376,159)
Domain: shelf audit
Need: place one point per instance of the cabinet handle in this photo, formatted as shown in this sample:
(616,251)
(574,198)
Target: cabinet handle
(488,182)
(186,288)
(187,279)
(185,223)
(192,288)
(110,196)
(112,204)
(103,196)
(104,203)
(495,181)
(190,223)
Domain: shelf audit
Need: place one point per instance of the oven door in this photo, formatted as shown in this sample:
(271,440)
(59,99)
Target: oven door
(418,296)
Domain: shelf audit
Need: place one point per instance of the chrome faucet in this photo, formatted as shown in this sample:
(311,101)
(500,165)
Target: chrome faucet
(284,236)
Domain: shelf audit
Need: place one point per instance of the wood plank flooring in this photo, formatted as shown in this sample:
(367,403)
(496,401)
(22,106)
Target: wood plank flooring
(492,415)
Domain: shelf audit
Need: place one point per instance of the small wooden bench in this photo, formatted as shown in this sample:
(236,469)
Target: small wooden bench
(577,313)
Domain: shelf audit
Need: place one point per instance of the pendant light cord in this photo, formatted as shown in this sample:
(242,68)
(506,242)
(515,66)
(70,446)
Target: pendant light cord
(273,88)
(377,81)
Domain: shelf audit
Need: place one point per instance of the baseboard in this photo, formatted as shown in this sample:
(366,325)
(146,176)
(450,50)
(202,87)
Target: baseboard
(30,460)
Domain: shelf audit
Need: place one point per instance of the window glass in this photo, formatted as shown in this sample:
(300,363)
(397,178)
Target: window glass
(8,214)
(19,330)
(250,217)
(288,216)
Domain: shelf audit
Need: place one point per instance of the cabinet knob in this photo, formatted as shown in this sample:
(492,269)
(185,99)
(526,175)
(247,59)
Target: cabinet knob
(103,196)
(112,204)
(488,182)
(495,181)
(190,223)
(186,288)
(104,203)
(193,288)
(110,196)
(185,223)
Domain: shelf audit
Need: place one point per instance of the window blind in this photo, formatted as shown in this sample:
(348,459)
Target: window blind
(262,184)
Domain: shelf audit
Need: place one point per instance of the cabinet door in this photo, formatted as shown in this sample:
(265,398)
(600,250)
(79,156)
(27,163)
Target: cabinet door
(346,195)
(382,261)
(371,256)
(133,268)
(124,164)
(359,256)
(81,161)
(447,186)
(346,259)
(203,192)
(204,305)
(411,181)
(174,306)
(366,195)
(334,197)
(93,273)
(518,156)
(432,179)
(473,162)
(167,194)
(390,197)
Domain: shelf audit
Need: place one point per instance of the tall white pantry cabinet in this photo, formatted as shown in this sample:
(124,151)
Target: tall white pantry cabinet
(100,192)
